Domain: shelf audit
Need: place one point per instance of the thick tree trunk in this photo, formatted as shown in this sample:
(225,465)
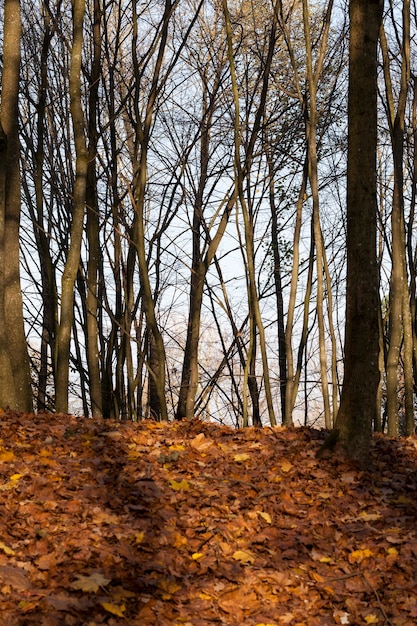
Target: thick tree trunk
(360,385)
(12,305)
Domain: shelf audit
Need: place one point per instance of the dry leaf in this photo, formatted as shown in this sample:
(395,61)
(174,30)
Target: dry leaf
(6,456)
(179,486)
(240,458)
(244,556)
(200,443)
(90,584)
(265,516)
(286,466)
(6,549)
(113,608)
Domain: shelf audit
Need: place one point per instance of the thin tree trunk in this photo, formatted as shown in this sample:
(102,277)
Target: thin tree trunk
(79,197)
(400,318)
(93,360)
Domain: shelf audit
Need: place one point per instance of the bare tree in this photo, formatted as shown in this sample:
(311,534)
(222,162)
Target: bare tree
(15,373)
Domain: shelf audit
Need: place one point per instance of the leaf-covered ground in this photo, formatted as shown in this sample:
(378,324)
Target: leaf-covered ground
(195,524)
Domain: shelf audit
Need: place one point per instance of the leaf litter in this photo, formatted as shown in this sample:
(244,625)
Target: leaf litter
(194,523)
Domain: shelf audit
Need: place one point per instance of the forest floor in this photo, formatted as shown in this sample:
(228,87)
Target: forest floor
(193,524)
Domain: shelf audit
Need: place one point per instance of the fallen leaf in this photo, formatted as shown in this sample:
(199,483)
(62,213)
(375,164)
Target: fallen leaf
(169,586)
(183,485)
(265,516)
(6,456)
(201,443)
(286,466)
(15,577)
(113,608)
(6,549)
(90,584)
(369,517)
(359,555)
(240,599)
(240,458)
(244,556)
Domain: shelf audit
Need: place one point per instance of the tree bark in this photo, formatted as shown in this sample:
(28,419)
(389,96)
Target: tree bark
(360,384)
(79,194)
(12,323)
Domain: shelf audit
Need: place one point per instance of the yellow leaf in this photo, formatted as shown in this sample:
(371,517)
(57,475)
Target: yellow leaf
(6,456)
(369,517)
(169,586)
(286,466)
(90,583)
(6,549)
(239,458)
(204,596)
(16,477)
(177,446)
(197,556)
(244,556)
(371,619)
(265,516)
(139,537)
(113,608)
(392,551)
(184,485)
(359,555)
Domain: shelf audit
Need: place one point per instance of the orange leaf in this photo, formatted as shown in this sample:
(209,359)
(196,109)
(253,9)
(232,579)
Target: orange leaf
(6,456)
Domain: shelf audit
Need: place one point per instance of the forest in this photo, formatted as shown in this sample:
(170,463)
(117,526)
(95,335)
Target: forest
(208,331)
(174,194)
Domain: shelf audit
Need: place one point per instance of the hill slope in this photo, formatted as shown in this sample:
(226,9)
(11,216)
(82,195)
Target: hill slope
(196,524)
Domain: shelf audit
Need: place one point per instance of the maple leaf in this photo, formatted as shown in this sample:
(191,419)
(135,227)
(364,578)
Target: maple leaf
(184,485)
(90,584)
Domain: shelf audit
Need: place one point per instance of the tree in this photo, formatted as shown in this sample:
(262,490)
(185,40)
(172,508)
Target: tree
(79,198)
(400,336)
(361,377)
(15,388)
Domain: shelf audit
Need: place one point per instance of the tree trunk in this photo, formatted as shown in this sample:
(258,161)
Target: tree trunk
(93,360)
(73,259)
(12,306)
(360,384)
